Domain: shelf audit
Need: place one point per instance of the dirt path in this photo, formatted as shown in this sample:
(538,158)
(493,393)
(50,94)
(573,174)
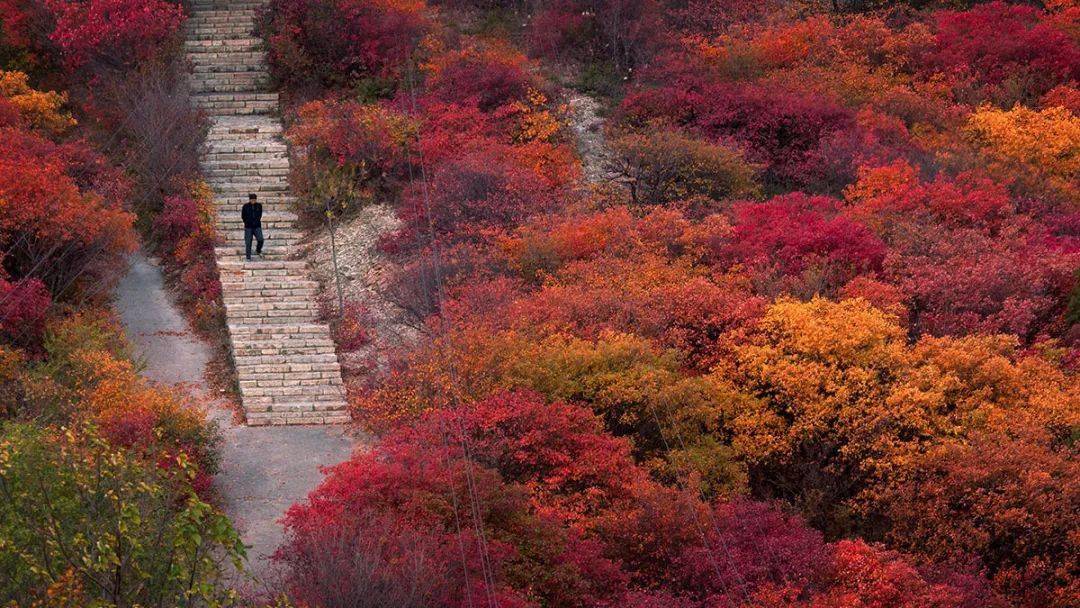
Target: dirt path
(364,272)
(264,470)
(588,127)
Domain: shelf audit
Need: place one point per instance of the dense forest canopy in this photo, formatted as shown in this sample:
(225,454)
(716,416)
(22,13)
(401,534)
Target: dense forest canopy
(804,333)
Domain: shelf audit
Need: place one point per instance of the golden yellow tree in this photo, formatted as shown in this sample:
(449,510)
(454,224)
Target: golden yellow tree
(1040,148)
(40,109)
(839,405)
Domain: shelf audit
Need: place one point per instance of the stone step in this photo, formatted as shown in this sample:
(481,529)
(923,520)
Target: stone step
(243,152)
(225,50)
(256,308)
(268,396)
(276,199)
(212,14)
(242,162)
(226,152)
(274,249)
(262,269)
(216,12)
(252,60)
(229,233)
(274,241)
(239,145)
(233,108)
(244,144)
(250,82)
(235,135)
(203,5)
(299,416)
(282,381)
(200,70)
(284,367)
(240,296)
(277,319)
(282,219)
(272,156)
(232,173)
(278,217)
(228,215)
(273,203)
(255,340)
(276,358)
(226,4)
(236,103)
(272,317)
(255,59)
(212,67)
(241,354)
(269,284)
(240,25)
(264,291)
(230,203)
(264,189)
(281,398)
(256,312)
(278,232)
(300,331)
(247,178)
(245,125)
(234,162)
(224,137)
(232,234)
(238,253)
(225,87)
(225,210)
(256,268)
(224,22)
(245,44)
(195,30)
(249,184)
(266,162)
(225,253)
(267,168)
(294,377)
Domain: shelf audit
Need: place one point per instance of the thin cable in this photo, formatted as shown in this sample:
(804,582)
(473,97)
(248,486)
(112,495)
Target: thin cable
(481,537)
(698,526)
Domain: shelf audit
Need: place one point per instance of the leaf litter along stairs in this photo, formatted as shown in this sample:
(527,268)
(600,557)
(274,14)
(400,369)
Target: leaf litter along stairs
(285,360)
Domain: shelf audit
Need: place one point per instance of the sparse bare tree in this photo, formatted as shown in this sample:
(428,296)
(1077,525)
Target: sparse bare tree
(159,132)
(338,570)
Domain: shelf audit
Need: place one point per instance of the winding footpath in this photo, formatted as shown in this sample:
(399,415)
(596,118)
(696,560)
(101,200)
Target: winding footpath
(264,470)
(285,360)
(286,365)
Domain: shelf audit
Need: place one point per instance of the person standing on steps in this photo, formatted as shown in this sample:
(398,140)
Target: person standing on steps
(251,213)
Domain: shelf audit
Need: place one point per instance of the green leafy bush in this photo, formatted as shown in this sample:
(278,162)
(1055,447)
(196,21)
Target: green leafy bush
(667,166)
(89,524)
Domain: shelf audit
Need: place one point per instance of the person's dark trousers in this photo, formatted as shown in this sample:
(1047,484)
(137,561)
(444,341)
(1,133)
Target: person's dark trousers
(253,232)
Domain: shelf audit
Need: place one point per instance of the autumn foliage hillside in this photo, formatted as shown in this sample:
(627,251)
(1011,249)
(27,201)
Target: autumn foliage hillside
(814,345)
(104,477)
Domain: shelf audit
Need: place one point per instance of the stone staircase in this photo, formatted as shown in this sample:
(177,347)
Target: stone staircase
(285,359)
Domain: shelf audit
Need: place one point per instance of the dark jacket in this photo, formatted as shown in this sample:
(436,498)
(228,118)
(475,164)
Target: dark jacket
(252,215)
